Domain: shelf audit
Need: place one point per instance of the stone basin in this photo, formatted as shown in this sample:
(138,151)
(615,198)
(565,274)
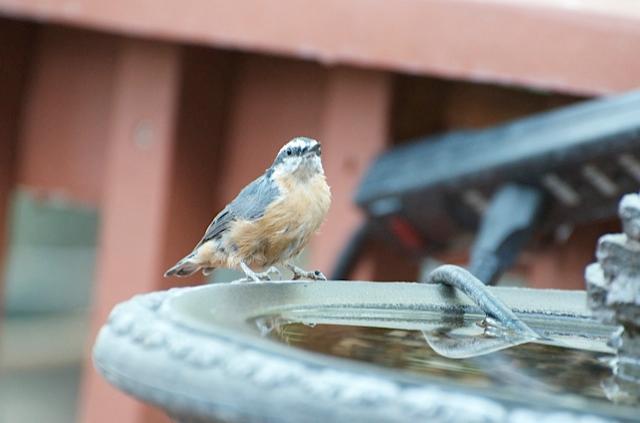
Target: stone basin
(353,351)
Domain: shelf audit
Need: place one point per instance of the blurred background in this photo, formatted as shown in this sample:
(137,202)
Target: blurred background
(126,125)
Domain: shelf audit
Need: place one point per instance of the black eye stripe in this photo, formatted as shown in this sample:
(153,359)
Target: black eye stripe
(295,151)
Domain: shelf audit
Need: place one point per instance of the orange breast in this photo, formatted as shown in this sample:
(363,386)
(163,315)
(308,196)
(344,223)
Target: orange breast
(286,226)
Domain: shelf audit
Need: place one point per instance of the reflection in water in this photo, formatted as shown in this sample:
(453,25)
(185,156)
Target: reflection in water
(457,341)
(620,390)
(530,366)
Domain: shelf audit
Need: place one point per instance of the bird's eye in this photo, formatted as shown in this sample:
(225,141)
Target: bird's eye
(289,152)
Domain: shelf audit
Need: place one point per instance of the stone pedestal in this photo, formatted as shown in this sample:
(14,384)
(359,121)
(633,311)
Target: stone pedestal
(613,286)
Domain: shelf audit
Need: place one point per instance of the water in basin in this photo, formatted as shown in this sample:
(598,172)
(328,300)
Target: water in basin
(393,340)
(542,367)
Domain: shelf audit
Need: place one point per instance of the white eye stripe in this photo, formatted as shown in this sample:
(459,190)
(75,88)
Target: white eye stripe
(298,144)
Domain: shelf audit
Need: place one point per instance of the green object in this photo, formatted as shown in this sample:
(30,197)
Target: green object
(51,255)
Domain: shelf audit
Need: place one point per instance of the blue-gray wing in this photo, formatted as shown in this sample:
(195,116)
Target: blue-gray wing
(250,204)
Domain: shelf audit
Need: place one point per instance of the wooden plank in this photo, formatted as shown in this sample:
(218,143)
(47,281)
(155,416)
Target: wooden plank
(15,54)
(274,100)
(561,264)
(158,190)
(355,128)
(203,106)
(589,47)
(135,201)
(66,114)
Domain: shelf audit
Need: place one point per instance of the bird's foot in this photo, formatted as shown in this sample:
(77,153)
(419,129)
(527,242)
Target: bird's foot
(266,275)
(314,275)
(252,276)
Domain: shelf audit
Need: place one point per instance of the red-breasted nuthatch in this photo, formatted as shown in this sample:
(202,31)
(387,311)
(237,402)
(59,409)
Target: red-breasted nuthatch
(270,221)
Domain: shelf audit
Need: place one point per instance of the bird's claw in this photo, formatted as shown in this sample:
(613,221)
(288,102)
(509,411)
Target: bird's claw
(250,279)
(266,275)
(275,271)
(251,276)
(314,275)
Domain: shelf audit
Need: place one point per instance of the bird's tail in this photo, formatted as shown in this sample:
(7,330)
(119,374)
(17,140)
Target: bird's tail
(185,267)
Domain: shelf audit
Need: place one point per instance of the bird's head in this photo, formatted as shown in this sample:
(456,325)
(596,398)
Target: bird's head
(299,157)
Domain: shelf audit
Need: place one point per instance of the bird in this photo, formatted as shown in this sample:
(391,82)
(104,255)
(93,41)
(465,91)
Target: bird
(270,221)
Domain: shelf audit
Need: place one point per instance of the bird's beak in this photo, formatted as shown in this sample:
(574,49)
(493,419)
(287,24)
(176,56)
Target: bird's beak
(315,150)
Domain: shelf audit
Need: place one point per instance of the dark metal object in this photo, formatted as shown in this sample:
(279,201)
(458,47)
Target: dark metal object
(428,194)
(351,252)
(491,305)
(506,227)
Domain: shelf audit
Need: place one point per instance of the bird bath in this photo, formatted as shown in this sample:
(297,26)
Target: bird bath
(354,351)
